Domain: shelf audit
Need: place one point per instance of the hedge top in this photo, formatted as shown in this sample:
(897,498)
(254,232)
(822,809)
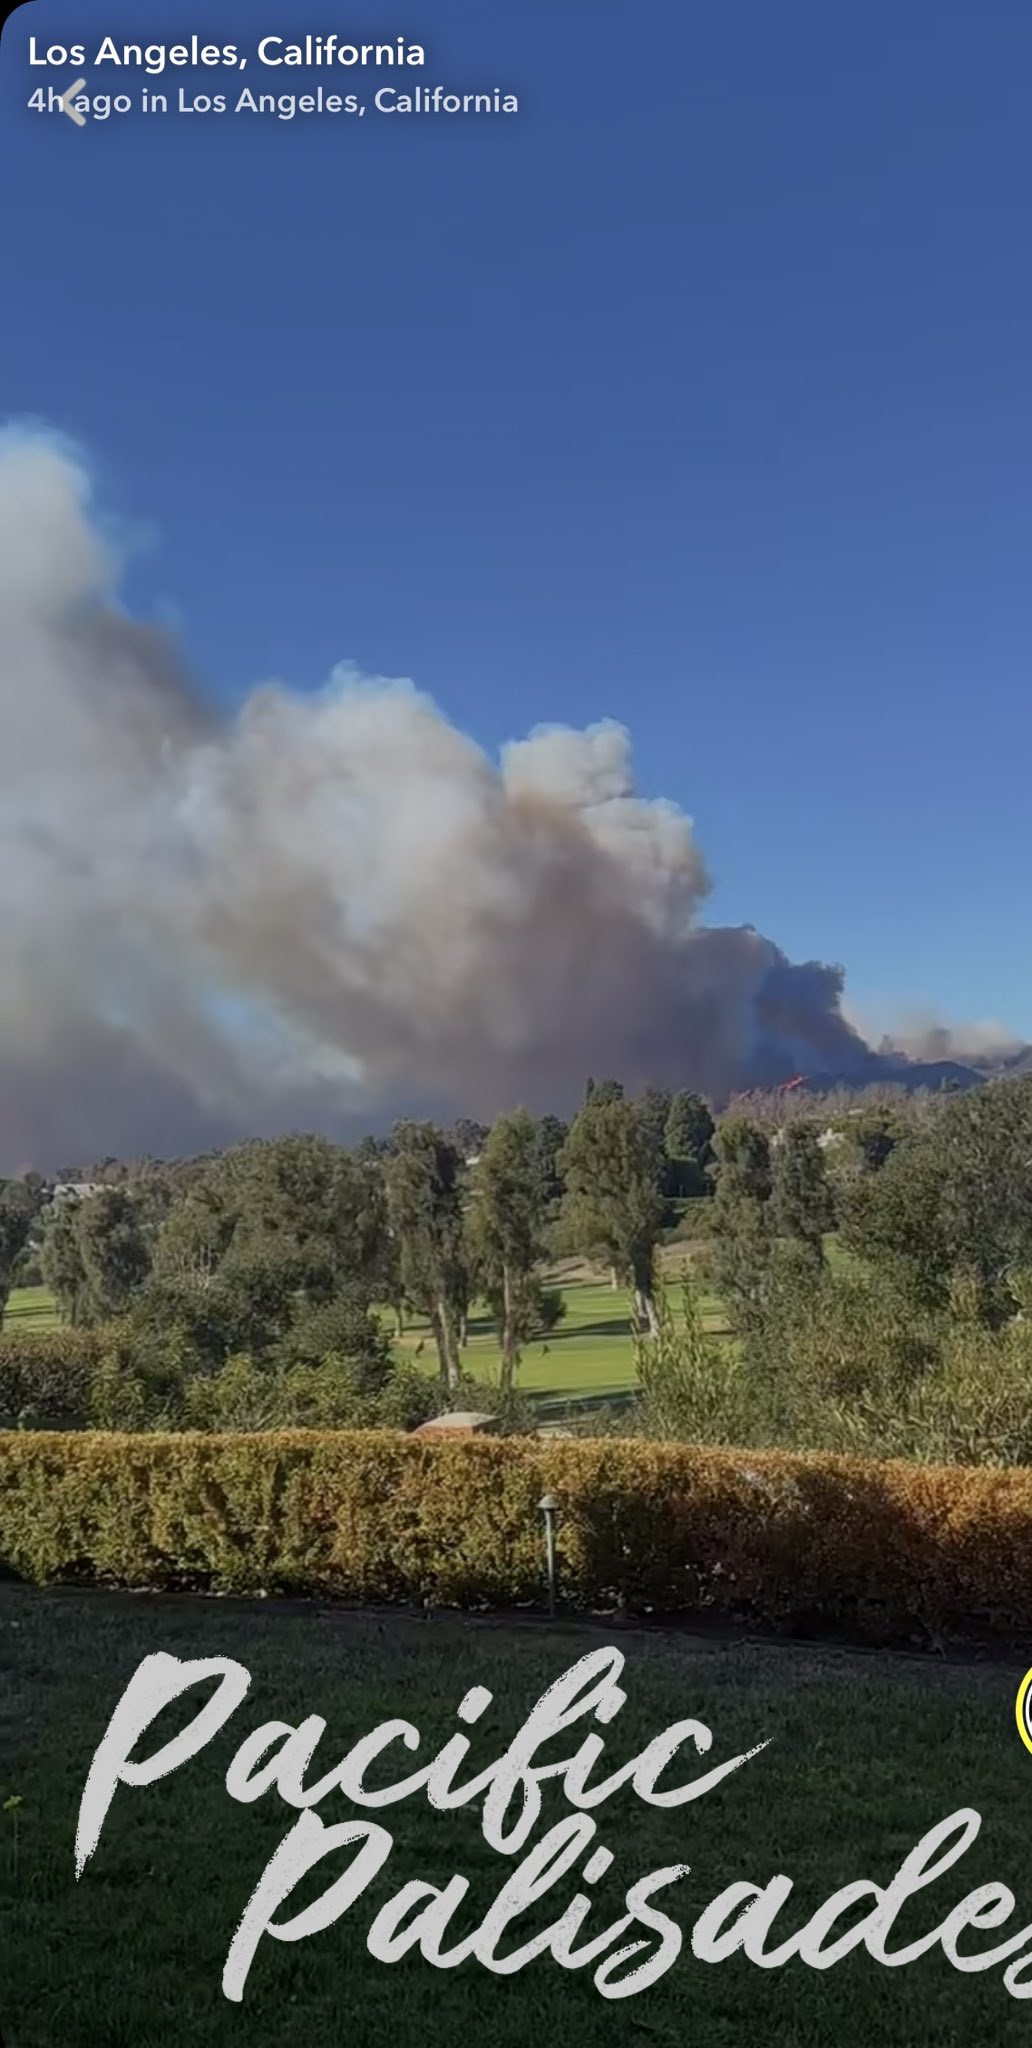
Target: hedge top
(884,1549)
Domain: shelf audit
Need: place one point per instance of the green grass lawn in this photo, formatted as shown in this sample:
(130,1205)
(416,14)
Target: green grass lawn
(589,1354)
(30,1308)
(866,1754)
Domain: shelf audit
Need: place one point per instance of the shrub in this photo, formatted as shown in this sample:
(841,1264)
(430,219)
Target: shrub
(692,1387)
(239,1397)
(340,1329)
(118,1399)
(408,1398)
(333,1394)
(693,1220)
(831,1343)
(45,1375)
(514,1414)
(972,1406)
(179,1329)
(889,1550)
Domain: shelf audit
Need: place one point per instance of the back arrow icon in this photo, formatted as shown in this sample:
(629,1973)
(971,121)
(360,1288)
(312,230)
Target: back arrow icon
(66,103)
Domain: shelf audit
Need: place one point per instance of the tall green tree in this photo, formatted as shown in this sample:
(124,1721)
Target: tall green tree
(196,1236)
(550,1137)
(801,1200)
(614,1207)
(425,1207)
(688,1141)
(954,1200)
(603,1090)
(115,1257)
(256,1241)
(743,1160)
(311,1204)
(653,1105)
(95,1256)
(504,1226)
(742,1232)
(61,1262)
(19,1208)
(297,1206)
(468,1137)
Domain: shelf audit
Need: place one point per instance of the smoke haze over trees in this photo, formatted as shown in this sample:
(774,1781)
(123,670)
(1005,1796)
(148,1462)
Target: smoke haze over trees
(332,910)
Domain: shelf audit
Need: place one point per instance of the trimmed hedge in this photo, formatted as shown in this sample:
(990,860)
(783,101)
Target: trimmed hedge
(886,1550)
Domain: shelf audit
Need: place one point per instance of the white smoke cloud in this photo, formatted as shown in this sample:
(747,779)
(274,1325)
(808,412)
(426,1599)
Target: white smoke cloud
(328,909)
(922,1036)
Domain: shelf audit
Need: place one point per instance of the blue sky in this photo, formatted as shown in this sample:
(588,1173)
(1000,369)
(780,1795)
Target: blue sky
(697,395)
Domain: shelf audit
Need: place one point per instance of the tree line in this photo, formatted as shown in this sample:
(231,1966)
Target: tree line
(877,1275)
(232,1255)
(873,1258)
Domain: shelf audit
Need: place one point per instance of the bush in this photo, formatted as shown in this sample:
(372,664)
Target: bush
(408,1398)
(181,1330)
(891,1551)
(692,1387)
(334,1394)
(956,1195)
(118,1399)
(830,1344)
(693,1220)
(972,1406)
(513,1413)
(339,1329)
(45,1377)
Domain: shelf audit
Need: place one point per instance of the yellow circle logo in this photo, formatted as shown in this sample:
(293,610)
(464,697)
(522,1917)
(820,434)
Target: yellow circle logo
(1023,1710)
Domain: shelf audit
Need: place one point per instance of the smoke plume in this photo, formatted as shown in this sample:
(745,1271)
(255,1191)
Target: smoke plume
(921,1037)
(327,909)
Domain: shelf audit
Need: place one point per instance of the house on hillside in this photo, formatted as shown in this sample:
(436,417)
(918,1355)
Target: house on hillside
(827,1140)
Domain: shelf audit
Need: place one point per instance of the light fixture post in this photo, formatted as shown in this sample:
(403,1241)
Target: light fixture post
(550,1508)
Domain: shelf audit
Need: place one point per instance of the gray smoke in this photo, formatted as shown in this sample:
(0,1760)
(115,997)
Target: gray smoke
(921,1037)
(331,909)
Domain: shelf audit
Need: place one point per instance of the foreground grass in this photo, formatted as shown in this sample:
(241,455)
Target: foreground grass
(866,1755)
